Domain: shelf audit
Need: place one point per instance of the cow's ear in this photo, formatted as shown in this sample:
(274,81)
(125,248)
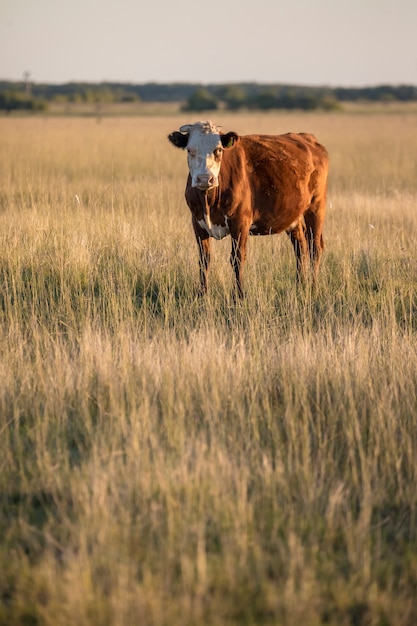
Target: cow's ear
(229,139)
(179,140)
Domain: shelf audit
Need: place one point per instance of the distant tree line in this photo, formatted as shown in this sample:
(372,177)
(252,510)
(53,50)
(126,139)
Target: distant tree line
(235,97)
(195,97)
(15,100)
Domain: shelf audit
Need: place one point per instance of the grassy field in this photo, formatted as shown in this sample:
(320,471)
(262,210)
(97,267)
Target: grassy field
(170,460)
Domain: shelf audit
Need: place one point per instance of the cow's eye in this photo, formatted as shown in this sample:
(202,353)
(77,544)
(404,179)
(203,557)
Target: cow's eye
(218,153)
(191,152)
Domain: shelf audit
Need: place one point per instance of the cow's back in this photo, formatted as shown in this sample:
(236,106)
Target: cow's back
(292,154)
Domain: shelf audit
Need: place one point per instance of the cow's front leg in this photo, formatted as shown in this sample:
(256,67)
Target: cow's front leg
(238,258)
(204,246)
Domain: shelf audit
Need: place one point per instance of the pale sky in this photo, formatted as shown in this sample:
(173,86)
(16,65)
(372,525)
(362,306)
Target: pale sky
(309,42)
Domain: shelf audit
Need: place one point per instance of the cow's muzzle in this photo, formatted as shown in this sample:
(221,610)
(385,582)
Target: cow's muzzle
(206,181)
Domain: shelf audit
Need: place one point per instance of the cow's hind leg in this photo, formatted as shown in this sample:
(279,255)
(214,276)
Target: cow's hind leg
(301,248)
(314,219)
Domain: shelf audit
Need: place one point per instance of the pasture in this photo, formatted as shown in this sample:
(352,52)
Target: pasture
(170,460)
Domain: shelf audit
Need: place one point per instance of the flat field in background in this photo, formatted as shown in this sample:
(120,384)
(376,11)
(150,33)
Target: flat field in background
(168,460)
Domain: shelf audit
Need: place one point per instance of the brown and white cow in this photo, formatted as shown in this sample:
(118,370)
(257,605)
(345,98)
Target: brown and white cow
(254,185)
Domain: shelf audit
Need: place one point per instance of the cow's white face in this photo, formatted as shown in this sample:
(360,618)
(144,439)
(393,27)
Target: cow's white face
(205,153)
(205,145)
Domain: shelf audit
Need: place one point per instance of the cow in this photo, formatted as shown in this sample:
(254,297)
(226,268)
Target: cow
(254,185)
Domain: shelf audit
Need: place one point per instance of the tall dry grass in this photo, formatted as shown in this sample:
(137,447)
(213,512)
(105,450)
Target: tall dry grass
(170,460)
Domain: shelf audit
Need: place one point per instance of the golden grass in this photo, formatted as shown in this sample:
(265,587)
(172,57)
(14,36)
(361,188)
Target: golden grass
(170,460)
